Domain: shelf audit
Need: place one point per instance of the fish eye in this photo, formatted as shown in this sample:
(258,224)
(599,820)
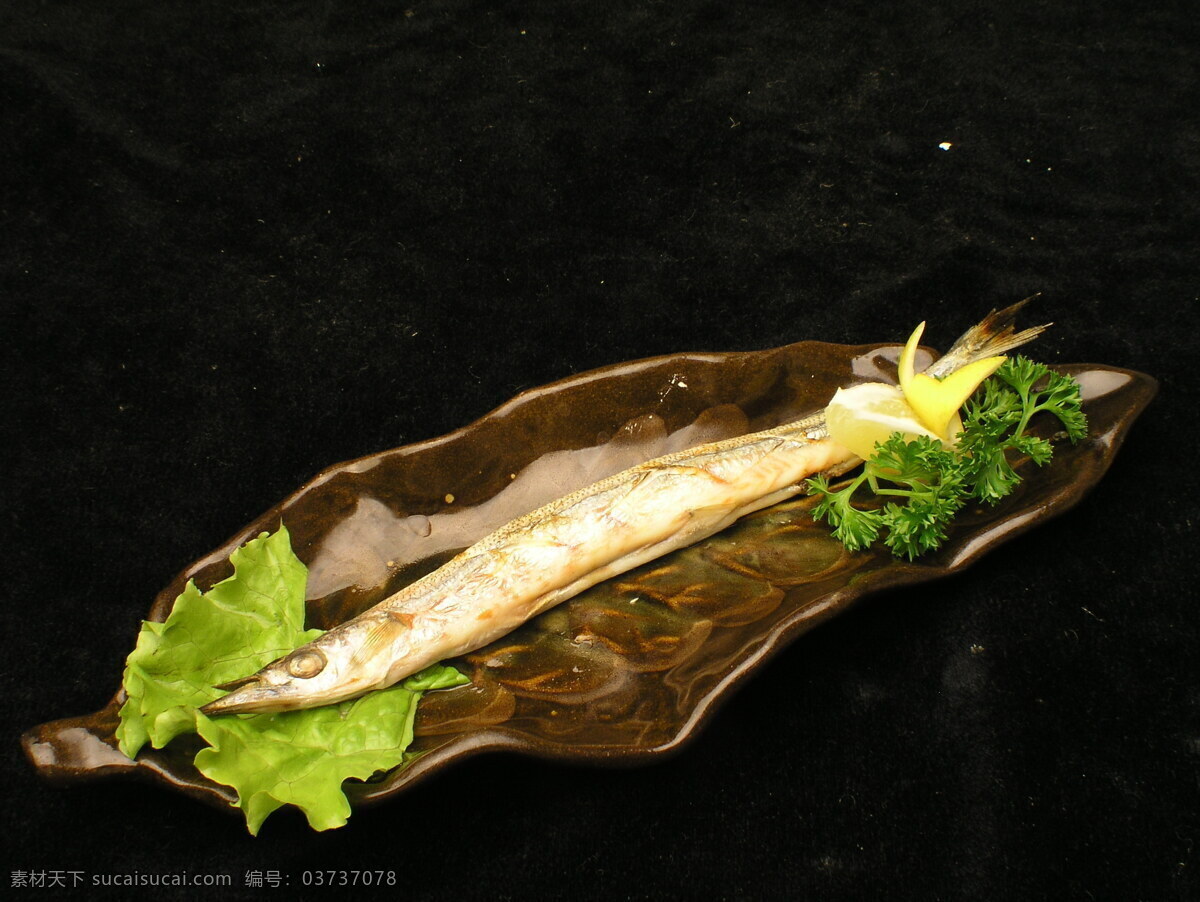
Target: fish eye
(307,664)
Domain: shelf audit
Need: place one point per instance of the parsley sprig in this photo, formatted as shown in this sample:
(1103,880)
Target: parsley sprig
(923,484)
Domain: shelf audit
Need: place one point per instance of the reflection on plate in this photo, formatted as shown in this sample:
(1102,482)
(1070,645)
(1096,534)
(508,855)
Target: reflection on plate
(630,668)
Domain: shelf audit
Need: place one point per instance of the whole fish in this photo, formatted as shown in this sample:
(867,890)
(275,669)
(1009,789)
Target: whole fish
(555,552)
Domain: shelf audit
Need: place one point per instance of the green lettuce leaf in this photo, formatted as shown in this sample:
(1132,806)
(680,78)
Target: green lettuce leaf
(294,757)
(302,757)
(238,626)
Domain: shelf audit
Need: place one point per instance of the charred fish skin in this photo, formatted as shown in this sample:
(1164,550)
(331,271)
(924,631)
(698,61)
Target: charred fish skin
(557,551)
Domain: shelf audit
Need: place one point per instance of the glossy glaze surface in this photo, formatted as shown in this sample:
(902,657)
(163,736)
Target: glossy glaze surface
(630,668)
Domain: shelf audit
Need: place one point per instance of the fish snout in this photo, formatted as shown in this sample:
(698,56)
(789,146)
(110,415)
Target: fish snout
(246,695)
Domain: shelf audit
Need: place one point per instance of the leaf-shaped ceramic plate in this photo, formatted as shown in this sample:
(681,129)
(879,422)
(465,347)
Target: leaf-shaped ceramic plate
(631,668)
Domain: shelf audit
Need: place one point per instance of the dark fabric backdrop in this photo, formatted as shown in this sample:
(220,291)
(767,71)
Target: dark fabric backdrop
(242,244)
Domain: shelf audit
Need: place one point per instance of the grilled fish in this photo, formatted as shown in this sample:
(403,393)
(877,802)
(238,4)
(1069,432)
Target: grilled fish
(555,552)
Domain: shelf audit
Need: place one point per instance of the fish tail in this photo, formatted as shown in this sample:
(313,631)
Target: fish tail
(993,335)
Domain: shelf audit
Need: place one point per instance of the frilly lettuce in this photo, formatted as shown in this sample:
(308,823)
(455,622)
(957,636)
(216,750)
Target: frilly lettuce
(293,757)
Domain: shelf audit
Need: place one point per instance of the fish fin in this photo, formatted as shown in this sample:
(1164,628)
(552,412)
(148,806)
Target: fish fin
(990,337)
(383,633)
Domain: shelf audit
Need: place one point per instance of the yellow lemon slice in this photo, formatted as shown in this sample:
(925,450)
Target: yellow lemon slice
(862,415)
(936,402)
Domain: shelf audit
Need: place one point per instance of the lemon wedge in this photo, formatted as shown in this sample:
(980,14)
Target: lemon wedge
(936,402)
(862,415)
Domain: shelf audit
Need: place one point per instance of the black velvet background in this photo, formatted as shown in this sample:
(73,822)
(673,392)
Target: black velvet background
(238,246)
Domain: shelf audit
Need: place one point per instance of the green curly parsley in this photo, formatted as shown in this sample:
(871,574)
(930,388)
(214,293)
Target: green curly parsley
(925,484)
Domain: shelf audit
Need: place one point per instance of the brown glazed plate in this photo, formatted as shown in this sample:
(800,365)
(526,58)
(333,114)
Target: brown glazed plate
(634,666)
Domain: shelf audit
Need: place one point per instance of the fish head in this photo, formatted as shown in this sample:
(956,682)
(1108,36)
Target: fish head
(342,664)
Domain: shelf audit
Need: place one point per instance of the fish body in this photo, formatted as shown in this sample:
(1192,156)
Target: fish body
(555,552)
